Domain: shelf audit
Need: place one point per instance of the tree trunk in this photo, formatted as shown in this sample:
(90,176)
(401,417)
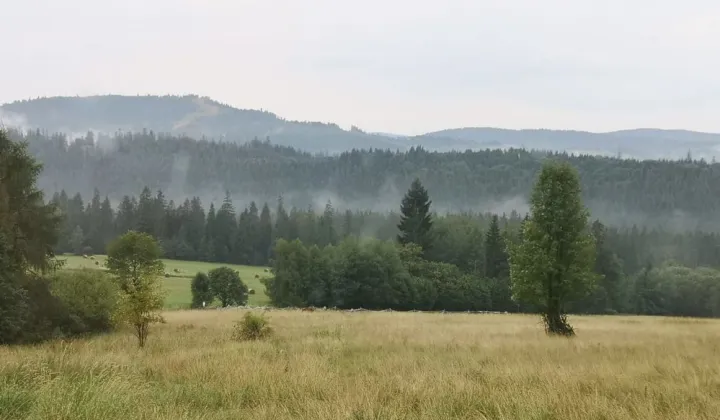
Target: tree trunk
(556,321)
(142,332)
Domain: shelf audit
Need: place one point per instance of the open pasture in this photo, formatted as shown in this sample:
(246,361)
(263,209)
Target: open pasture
(373,365)
(177,285)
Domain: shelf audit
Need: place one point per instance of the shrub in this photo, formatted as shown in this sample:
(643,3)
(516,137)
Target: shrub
(89,297)
(252,327)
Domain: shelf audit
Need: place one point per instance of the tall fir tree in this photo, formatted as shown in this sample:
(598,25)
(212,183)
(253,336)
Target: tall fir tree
(265,235)
(195,225)
(496,259)
(146,212)
(347,224)
(126,215)
(226,229)
(416,220)
(327,234)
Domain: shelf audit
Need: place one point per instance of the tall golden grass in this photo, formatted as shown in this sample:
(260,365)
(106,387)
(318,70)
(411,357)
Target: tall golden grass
(334,365)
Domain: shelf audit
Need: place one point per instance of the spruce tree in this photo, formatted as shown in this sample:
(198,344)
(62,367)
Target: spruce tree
(496,260)
(347,224)
(264,241)
(28,231)
(415,219)
(226,229)
(195,225)
(146,212)
(126,215)
(327,234)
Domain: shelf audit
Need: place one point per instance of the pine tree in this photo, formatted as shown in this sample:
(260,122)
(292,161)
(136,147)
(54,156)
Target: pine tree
(415,220)
(106,224)
(194,225)
(496,259)
(146,212)
(282,222)
(207,248)
(243,246)
(226,230)
(264,241)
(77,241)
(327,234)
(92,227)
(28,231)
(158,215)
(126,215)
(347,224)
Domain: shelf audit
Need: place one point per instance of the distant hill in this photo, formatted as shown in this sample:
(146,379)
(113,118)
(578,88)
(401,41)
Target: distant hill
(199,117)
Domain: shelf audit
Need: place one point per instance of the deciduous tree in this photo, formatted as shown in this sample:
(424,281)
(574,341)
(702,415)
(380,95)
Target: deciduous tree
(134,258)
(553,263)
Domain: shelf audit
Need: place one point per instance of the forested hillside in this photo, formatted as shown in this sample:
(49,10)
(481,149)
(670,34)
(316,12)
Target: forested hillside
(185,115)
(199,117)
(679,195)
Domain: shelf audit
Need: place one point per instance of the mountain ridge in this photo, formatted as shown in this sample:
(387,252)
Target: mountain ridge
(203,117)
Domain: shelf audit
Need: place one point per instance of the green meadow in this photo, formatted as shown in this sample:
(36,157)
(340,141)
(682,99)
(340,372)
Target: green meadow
(178,275)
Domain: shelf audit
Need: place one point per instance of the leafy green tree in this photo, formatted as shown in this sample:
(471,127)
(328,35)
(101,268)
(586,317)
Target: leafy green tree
(553,264)
(416,220)
(202,293)
(134,258)
(227,286)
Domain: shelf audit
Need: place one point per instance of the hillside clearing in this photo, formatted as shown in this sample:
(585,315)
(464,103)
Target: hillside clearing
(177,285)
(336,365)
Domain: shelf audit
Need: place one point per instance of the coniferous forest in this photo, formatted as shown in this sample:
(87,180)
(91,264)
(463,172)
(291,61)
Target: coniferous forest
(650,271)
(680,195)
(655,222)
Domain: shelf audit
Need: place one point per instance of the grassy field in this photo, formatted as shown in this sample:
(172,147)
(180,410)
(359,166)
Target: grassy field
(384,365)
(177,285)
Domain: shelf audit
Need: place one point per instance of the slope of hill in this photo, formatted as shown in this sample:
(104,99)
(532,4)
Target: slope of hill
(185,115)
(200,117)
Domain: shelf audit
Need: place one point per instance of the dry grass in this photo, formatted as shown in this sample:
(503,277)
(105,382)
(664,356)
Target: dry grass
(326,365)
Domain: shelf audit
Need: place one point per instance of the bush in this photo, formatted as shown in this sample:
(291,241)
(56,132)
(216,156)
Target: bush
(252,327)
(89,296)
(64,304)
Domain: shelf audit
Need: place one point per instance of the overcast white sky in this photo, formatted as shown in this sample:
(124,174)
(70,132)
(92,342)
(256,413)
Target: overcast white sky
(406,66)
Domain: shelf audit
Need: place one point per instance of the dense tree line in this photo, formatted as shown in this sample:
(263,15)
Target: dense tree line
(472,243)
(681,195)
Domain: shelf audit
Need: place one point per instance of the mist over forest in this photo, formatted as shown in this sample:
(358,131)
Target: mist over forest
(192,146)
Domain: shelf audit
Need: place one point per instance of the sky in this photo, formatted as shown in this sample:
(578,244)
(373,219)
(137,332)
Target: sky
(398,66)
